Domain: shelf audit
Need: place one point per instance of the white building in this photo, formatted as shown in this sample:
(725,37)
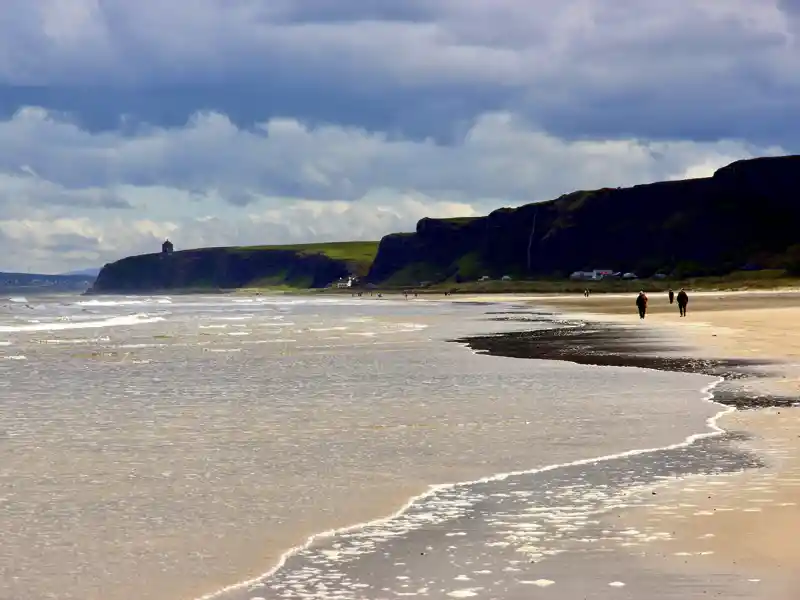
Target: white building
(594,275)
(345,283)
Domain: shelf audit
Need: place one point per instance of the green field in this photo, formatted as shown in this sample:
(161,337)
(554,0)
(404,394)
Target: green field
(359,254)
(362,251)
(738,280)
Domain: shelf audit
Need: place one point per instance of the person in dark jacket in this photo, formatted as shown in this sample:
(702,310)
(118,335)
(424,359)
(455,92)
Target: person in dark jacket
(641,304)
(683,302)
(671,296)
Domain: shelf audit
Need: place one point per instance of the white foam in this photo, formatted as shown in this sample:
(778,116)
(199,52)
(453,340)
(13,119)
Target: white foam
(18,299)
(16,357)
(95,302)
(465,593)
(139,346)
(137,319)
(711,423)
(97,340)
(542,583)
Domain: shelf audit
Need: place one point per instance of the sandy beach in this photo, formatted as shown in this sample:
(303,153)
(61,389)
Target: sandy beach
(746,521)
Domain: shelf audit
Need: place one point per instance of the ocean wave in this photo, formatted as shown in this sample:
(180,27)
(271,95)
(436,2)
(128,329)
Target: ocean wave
(139,346)
(127,302)
(222,350)
(121,321)
(97,340)
(238,318)
(408,326)
(405,519)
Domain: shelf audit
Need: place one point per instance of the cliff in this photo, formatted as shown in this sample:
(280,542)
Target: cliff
(747,213)
(297,266)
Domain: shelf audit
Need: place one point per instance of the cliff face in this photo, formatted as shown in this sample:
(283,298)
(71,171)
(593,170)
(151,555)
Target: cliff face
(227,268)
(747,212)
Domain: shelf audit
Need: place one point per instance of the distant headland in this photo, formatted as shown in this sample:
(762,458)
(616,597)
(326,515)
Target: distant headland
(744,217)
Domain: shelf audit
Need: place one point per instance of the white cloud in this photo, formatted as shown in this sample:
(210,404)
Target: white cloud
(545,97)
(65,192)
(501,156)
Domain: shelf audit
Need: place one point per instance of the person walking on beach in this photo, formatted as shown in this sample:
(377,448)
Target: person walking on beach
(683,301)
(671,296)
(641,304)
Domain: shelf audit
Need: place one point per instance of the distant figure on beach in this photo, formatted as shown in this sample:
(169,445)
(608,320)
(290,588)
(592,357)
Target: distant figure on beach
(683,301)
(586,293)
(641,304)
(671,296)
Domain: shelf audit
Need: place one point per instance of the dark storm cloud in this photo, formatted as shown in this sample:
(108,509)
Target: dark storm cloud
(604,69)
(417,114)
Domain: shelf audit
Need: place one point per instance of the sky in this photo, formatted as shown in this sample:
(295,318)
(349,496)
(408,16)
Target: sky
(217,122)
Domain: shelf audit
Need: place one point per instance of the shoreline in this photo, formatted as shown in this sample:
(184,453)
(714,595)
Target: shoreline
(712,430)
(255,584)
(609,344)
(748,516)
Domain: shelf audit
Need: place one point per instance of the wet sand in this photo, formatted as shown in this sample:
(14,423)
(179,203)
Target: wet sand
(746,522)
(604,519)
(175,457)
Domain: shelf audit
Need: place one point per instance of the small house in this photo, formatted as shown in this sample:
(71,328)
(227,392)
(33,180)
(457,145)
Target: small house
(167,247)
(593,275)
(345,282)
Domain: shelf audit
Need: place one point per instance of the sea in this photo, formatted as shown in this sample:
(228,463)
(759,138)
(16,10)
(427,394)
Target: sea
(232,446)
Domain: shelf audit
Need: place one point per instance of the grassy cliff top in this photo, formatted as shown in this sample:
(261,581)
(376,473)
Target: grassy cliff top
(347,251)
(296,266)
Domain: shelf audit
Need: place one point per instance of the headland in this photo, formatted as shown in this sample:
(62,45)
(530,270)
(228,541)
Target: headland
(739,221)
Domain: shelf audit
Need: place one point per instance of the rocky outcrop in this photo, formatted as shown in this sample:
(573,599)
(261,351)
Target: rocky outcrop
(746,213)
(219,268)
